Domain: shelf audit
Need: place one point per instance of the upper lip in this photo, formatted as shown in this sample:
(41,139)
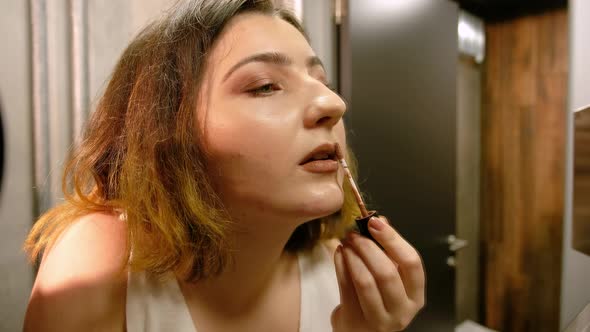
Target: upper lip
(329,148)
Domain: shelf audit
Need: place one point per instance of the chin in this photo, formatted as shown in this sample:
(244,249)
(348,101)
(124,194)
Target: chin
(321,204)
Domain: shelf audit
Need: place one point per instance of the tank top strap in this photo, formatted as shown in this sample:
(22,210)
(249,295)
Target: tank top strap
(319,290)
(156,305)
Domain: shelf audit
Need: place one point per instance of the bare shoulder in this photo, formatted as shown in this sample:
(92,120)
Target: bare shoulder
(81,282)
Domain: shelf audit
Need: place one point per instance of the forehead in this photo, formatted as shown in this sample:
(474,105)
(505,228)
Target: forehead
(252,33)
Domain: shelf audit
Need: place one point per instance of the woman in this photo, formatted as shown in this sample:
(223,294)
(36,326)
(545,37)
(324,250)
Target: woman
(198,199)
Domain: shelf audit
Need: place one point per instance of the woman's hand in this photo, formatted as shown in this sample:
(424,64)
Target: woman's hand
(380,290)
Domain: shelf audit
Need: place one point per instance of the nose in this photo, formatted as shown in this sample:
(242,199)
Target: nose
(325,108)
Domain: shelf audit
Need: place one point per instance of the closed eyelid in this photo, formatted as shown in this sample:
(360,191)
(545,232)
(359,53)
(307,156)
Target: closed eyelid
(259,80)
(249,78)
(284,77)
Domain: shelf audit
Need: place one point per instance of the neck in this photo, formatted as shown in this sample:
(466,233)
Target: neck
(258,264)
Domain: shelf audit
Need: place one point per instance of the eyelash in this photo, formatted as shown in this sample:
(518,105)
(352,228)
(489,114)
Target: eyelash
(256,92)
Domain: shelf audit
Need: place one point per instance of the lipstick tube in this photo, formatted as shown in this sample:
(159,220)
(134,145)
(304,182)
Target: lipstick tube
(362,221)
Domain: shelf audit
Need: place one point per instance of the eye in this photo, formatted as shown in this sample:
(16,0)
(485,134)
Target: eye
(264,90)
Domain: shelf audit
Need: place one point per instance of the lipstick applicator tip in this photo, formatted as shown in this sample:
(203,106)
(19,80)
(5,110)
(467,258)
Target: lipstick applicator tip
(357,194)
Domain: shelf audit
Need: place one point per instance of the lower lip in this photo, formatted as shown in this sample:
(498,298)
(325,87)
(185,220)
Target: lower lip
(321,166)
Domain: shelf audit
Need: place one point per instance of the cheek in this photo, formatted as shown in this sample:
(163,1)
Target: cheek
(227,141)
(340,133)
(245,141)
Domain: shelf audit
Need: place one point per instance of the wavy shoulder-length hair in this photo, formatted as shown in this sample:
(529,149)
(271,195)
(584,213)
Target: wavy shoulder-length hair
(142,154)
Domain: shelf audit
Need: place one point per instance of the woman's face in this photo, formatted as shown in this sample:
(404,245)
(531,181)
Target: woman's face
(264,107)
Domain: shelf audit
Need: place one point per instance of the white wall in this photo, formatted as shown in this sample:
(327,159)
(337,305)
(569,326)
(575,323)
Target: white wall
(575,283)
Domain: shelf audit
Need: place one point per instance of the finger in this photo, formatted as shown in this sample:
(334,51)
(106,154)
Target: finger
(348,295)
(366,288)
(400,251)
(384,271)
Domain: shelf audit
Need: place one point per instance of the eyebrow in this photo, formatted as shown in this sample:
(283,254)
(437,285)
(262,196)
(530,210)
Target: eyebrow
(273,58)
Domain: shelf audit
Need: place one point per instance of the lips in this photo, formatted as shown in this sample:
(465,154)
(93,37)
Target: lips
(321,160)
(326,151)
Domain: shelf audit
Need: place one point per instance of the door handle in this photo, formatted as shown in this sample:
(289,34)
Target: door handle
(455,243)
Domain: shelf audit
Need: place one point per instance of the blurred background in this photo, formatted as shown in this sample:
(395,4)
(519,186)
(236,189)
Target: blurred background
(468,118)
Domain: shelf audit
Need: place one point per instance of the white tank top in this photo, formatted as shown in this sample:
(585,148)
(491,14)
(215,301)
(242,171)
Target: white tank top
(160,306)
